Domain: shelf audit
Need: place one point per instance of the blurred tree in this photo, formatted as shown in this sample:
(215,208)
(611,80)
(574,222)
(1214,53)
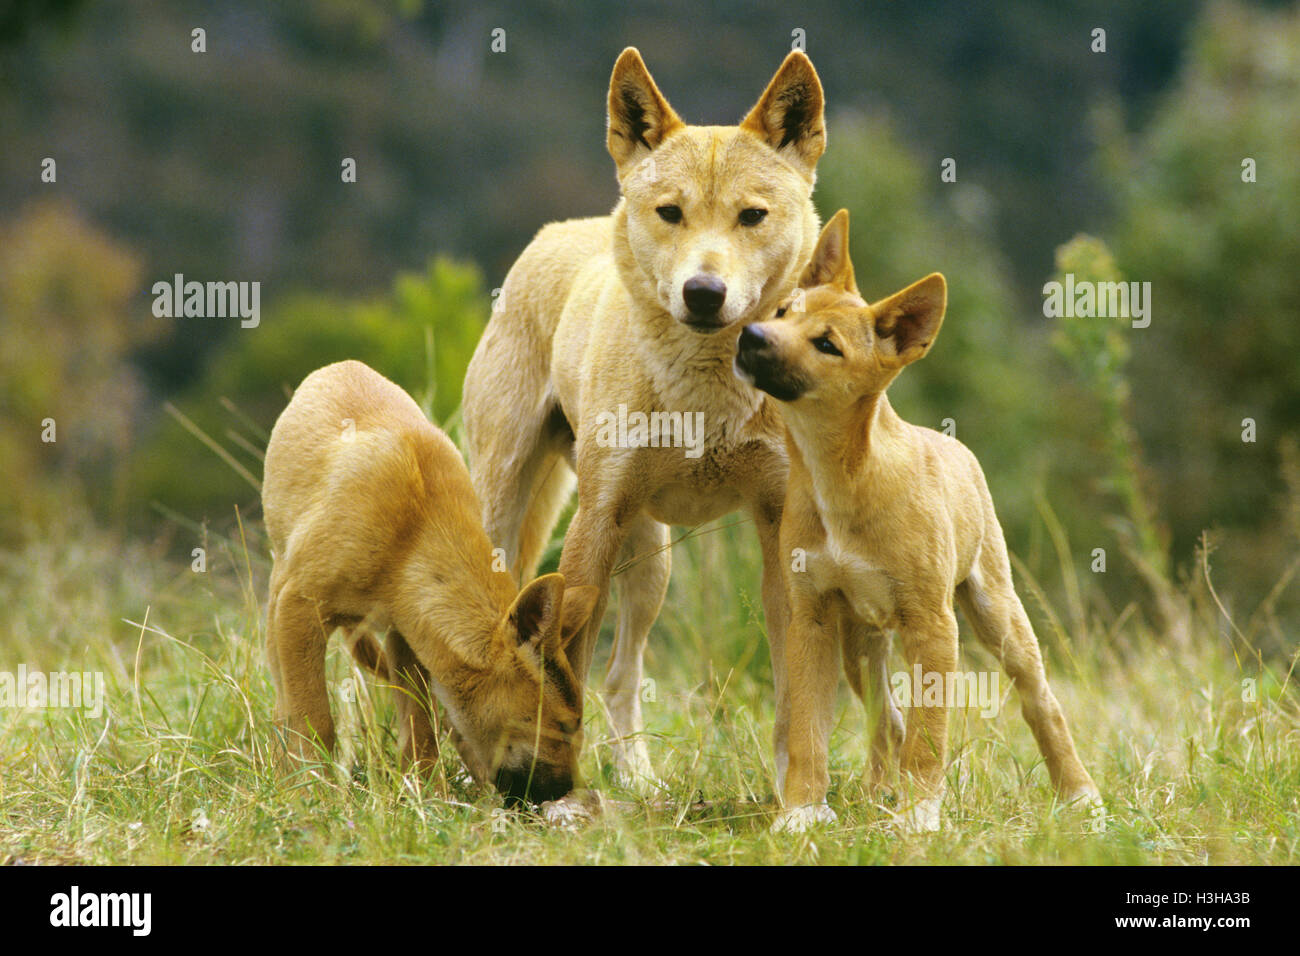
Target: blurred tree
(226,165)
(1209,213)
(1096,347)
(69,321)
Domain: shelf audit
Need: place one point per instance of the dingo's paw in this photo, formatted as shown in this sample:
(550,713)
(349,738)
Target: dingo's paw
(920,817)
(572,810)
(564,814)
(1085,798)
(803,819)
(633,770)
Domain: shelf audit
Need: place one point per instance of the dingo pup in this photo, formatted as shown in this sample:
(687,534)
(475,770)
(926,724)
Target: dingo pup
(635,316)
(374,524)
(894,520)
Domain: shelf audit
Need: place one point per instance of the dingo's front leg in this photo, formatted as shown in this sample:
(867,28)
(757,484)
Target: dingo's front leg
(776,616)
(641,587)
(413,699)
(930,641)
(866,664)
(812,671)
(591,546)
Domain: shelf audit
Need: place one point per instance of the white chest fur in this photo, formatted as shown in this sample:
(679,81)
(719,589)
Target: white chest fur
(867,588)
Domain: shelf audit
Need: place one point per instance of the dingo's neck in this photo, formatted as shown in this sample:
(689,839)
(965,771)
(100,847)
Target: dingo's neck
(449,600)
(845,452)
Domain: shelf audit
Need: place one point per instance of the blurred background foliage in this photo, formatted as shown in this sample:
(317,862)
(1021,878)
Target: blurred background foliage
(1223,259)
(226,165)
(70,396)
(420,335)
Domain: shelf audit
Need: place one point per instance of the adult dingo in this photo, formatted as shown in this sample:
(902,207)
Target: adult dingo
(642,309)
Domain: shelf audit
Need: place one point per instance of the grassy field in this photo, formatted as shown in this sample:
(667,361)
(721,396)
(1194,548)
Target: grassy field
(177,769)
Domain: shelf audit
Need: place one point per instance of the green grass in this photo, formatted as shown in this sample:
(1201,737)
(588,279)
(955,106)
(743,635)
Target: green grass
(179,770)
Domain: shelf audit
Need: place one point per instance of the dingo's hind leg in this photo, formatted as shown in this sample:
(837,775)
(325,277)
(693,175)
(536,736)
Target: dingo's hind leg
(989,601)
(296,639)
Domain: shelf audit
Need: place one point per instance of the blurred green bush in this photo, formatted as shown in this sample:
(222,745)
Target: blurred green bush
(1222,255)
(68,327)
(421,336)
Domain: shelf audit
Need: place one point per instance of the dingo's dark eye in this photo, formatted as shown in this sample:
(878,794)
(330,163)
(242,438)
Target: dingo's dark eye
(782,310)
(671,214)
(752,217)
(824,344)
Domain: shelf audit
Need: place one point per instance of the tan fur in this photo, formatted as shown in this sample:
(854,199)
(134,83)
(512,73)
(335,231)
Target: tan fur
(374,526)
(595,314)
(894,520)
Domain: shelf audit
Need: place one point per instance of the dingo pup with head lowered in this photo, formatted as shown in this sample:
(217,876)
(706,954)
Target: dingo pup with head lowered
(894,520)
(611,331)
(374,525)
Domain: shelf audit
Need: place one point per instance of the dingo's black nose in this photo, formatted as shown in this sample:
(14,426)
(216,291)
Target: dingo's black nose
(533,784)
(704,295)
(752,338)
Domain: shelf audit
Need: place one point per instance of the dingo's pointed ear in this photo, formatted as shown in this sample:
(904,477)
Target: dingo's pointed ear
(639,116)
(579,602)
(830,263)
(790,114)
(535,615)
(908,321)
